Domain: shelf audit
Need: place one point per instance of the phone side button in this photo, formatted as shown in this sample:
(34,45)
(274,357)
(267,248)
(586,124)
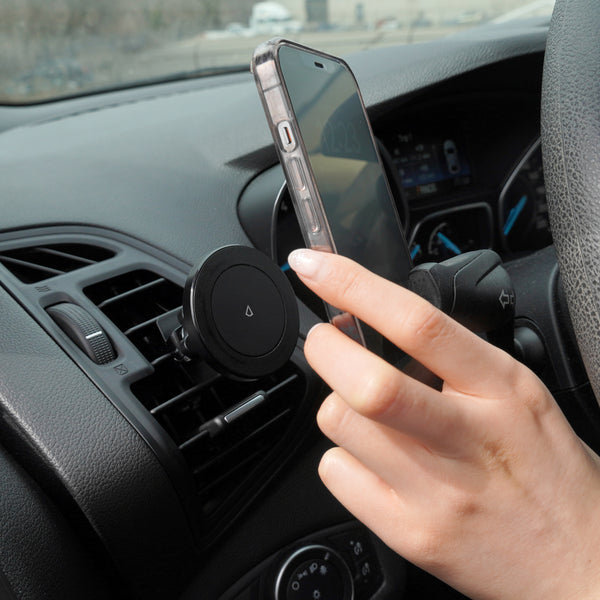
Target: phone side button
(296,175)
(286,136)
(311,215)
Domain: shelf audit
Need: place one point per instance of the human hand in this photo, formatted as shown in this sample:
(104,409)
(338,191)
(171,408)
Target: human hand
(483,483)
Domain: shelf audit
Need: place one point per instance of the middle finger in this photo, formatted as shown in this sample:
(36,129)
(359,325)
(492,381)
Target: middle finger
(378,391)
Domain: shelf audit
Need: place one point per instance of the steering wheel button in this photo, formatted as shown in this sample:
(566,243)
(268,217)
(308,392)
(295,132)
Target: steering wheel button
(248,310)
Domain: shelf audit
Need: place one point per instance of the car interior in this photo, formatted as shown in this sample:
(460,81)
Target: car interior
(132,471)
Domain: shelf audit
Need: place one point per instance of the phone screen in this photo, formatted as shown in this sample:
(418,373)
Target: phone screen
(345,166)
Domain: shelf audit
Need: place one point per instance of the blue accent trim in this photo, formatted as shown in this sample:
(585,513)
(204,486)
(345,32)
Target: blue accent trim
(514,213)
(415,251)
(449,243)
(285,267)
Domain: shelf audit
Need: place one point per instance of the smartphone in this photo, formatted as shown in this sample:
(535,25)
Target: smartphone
(334,173)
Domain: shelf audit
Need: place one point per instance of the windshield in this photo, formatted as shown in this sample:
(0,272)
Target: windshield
(56,48)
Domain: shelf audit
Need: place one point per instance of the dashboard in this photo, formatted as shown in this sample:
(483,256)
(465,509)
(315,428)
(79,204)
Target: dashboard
(107,202)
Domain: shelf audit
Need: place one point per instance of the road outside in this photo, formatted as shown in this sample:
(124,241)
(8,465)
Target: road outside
(62,47)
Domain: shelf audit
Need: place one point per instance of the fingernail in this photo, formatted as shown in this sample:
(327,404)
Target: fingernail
(306,262)
(313,328)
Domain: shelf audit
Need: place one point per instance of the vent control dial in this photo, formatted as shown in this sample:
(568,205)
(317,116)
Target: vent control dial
(84,330)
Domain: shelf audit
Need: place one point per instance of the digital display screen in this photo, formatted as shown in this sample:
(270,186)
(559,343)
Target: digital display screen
(344,162)
(430,165)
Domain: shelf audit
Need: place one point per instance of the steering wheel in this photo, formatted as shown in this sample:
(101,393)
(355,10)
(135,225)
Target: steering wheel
(571,151)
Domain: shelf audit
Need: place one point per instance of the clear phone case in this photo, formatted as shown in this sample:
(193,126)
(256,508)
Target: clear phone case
(293,157)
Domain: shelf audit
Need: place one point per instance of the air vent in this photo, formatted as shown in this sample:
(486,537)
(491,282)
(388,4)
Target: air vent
(223,428)
(36,263)
(133,302)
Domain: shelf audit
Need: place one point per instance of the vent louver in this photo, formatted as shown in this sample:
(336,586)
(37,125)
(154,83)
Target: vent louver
(133,302)
(36,263)
(222,427)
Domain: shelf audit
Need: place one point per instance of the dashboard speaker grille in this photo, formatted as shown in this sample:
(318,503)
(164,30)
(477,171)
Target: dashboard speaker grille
(32,264)
(223,428)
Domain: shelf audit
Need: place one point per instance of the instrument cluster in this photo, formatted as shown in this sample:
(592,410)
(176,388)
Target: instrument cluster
(460,214)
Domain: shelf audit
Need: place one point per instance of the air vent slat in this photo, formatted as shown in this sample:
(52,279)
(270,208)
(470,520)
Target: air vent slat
(183,396)
(161,359)
(129,293)
(35,263)
(24,263)
(221,477)
(53,252)
(235,448)
(118,285)
(201,435)
(283,384)
(140,326)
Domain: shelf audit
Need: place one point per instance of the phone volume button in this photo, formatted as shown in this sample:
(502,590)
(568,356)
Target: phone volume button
(311,215)
(296,174)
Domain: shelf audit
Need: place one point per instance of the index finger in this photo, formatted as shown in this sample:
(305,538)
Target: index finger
(465,361)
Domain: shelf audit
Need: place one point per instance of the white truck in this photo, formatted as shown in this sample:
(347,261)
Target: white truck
(272,18)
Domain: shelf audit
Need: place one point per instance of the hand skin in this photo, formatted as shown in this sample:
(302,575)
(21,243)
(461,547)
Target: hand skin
(483,484)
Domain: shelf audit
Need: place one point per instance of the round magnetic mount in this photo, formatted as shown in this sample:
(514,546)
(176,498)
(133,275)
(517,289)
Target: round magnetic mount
(314,572)
(240,312)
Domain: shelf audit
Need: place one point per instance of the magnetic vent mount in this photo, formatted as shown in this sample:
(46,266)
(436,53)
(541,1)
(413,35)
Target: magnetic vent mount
(240,313)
